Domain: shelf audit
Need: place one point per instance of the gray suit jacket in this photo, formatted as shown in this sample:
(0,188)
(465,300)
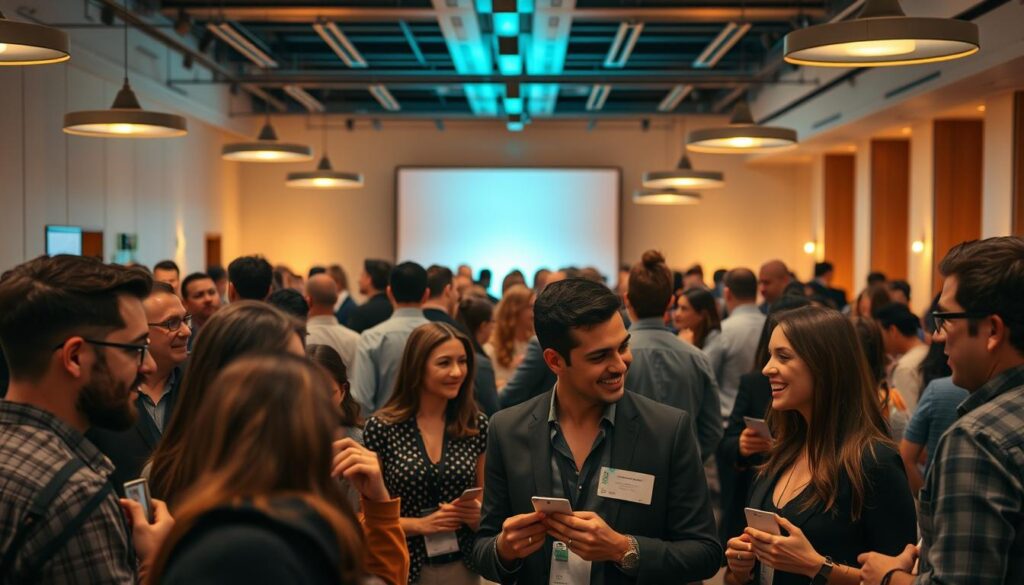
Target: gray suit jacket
(676,532)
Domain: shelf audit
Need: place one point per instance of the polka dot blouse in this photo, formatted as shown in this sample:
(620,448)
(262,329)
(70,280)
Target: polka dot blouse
(422,485)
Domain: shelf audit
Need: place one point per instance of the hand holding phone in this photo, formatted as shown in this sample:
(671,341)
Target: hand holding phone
(759,426)
(138,490)
(551,505)
(473,493)
(763,521)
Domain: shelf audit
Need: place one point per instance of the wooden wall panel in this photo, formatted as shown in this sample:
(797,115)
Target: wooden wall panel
(1018,163)
(959,160)
(890,192)
(839,192)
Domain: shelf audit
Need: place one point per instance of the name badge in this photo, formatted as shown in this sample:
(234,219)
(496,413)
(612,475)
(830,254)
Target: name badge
(441,544)
(767,575)
(568,568)
(628,486)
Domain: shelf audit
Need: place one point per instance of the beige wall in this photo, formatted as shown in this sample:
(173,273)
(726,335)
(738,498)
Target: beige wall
(764,211)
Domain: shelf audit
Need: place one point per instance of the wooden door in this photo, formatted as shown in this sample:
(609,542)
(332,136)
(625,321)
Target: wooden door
(92,244)
(213,253)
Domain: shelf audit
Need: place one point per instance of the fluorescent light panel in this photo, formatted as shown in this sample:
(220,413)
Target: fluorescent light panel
(340,44)
(384,98)
(674,98)
(623,45)
(723,43)
(598,96)
(303,97)
(240,43)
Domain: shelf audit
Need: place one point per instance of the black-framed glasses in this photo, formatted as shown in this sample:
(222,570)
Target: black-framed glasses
(141,348)
(941,317)
(174,323)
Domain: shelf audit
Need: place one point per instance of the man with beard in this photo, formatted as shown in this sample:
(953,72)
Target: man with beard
(628,466)
(74,333)
(169,335)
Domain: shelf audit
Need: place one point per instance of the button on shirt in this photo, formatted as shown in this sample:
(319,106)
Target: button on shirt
(732,352)
(971,519)
(378,356)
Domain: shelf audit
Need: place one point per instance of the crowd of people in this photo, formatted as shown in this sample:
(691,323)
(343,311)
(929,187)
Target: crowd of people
(656,431)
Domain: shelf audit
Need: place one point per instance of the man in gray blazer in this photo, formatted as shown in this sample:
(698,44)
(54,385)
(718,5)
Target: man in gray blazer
(628,466)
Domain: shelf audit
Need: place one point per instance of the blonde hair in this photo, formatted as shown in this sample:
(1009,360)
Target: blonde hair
(506,317)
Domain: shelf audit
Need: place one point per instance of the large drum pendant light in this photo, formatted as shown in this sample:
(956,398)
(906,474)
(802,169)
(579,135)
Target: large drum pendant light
(23,43)
(882,35)
(665,197)
(741,136)
(683,177)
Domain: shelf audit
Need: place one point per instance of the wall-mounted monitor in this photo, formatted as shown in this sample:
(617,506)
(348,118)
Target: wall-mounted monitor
(63,239)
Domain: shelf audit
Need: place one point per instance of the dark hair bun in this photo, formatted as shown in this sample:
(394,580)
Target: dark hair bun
(652,258)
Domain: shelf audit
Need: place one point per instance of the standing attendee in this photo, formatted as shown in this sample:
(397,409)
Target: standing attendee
(373,284)
(168,271)
(900,331)
(894,408)
(345,304)
(443,301)
(664,368)
(512,332)
(220,280)
(263,507)
(566,443)
(694,277)
(732,352)
(249,278)
(484,282)
(540,280)
(870,300)
(832,476)
(322,326)
(822,285)
(465,270)
(532,377)
(169,335)
(74,333)
(431,440)
(379,351)
(899,291)
(291,302)
(971,503)
(772,280)
(696,317)
(513,278)
(199,292)
(476,315)
(876,278)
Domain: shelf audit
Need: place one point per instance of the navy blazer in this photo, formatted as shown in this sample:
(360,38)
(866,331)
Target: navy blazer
(675,533)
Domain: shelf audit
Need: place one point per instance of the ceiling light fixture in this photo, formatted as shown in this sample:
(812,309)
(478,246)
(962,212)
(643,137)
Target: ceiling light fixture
(384,98)
(683,177)
(510,61)
(505,18)
(515,123)
(882,35)
(598,96)
(340,44)
(24,43)
(623,45)
(674,98)
(324,177)
(125,118)
(303,97)
(243,45)
(266,148)
(741,136)
(665,197)
(723,43)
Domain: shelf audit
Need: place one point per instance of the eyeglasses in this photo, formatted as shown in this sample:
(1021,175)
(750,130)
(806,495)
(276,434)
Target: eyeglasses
(174,323)
(941,317)
(141,348)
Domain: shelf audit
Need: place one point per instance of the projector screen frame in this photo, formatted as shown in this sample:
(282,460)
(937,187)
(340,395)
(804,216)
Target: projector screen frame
(618,199)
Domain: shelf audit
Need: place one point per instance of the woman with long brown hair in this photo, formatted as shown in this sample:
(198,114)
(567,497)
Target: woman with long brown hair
(431,440)
(894,409)
(513,329)
(832,477)
(263,507)
(327,358)
(696,317)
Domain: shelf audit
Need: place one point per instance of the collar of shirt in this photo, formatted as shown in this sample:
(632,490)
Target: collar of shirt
(1008,380)
(750,308)
(407,313)
(322,320)
(172,379)
(649,323)
(608,416)
(16,413)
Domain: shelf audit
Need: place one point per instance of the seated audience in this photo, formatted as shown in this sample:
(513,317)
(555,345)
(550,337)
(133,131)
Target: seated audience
(563,444)
(74,333)
(513,328)
(262,506)
(664,368)
(249,278)
(832,476)
(476,315)
(431,439)
(373,284)
(322,326)
(696,317)
(900,331)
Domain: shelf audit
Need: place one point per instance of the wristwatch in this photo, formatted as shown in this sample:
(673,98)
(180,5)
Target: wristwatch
(631,558)
(826,569)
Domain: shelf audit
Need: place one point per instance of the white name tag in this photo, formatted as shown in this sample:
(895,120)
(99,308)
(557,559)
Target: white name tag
(441,544)
(568,568)
(628,486)
(767,575)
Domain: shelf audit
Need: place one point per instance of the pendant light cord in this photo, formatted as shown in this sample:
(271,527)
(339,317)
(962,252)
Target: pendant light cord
(125,48)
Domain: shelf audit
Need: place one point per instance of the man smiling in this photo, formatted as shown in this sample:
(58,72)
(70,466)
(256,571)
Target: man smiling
(629,466)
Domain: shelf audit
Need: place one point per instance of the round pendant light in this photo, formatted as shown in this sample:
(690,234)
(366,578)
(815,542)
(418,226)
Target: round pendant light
(324,177)
(882,35)
(741,136)
(125,118)
(683,177)
(266,148)
(23,43)
(665,197)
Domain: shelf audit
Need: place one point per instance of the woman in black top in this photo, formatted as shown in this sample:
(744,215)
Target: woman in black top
(833,476)
(431,440)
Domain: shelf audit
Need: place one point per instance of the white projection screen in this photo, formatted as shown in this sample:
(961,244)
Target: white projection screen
(503,219)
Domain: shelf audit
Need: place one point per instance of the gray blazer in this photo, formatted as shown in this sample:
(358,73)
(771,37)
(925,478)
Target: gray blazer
(676,532)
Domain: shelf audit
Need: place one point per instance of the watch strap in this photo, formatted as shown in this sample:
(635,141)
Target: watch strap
(824,572)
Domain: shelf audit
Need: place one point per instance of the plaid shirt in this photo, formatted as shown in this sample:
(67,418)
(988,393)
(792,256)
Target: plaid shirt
(972,504)
(34,445)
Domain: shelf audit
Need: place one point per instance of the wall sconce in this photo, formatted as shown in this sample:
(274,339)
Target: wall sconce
(917,246)
(810,247)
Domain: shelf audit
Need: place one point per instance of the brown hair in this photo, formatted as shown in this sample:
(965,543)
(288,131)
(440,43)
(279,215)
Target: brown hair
(515,300)
(265,431)
(879,296)
(703,303)
(846,418)
(650,285)
(462,412)
(46,300)
(243,327)
(336,272)
(990,278)
(327,358)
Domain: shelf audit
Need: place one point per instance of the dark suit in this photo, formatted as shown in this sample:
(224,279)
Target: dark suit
(675,533)
(345,310)
(531,378)
(129,450)
(836,296)
(377,309)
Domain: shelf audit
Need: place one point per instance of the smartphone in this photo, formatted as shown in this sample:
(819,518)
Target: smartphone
(760,427)
(138,490)
(763,521)
(551,505)
(472,493)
